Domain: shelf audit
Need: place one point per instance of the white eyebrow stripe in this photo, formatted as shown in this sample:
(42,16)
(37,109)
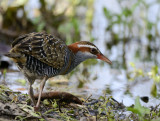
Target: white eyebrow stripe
(89,46)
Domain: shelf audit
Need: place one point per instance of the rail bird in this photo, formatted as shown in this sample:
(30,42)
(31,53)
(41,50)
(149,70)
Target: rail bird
(39,55)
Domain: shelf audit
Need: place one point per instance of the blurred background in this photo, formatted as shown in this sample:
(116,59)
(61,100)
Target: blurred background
(127,32)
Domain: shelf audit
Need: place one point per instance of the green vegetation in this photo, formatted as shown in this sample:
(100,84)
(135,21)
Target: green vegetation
(152,74)
(103,108)
(72,20)
(133,23)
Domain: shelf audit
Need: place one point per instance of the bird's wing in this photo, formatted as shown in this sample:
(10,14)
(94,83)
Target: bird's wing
(42,46)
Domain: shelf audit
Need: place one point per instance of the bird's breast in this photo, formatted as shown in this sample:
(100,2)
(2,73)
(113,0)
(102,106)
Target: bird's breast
(39,69)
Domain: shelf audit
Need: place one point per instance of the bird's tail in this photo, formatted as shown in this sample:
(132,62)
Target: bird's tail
(12,55)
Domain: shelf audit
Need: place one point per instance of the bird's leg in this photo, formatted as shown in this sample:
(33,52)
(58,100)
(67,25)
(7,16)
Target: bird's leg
(31,94)
(30,90)
(40,93)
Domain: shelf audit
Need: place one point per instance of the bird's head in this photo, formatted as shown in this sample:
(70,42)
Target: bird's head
(86,50)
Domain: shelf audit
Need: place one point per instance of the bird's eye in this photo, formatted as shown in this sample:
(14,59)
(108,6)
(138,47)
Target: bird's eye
(94,51)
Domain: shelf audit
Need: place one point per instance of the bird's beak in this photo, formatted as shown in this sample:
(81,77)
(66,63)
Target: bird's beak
(103,58)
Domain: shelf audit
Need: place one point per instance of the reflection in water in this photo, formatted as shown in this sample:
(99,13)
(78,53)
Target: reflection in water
(129,49)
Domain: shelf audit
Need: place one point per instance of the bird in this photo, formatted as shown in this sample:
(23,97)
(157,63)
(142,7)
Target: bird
(39,55)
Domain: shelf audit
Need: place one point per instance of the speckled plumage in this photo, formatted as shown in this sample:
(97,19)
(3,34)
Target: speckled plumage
(41,56)
(46,48)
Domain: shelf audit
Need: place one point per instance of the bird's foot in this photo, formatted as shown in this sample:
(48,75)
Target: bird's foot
(36,109)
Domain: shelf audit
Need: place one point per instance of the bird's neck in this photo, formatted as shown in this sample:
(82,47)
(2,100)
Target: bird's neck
(75,59)
(78,58)
(80,53)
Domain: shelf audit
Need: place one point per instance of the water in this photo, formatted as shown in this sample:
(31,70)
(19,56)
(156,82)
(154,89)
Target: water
(109,79)
(115,79)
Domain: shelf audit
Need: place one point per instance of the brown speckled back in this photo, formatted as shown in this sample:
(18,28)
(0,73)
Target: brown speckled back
(44,47)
